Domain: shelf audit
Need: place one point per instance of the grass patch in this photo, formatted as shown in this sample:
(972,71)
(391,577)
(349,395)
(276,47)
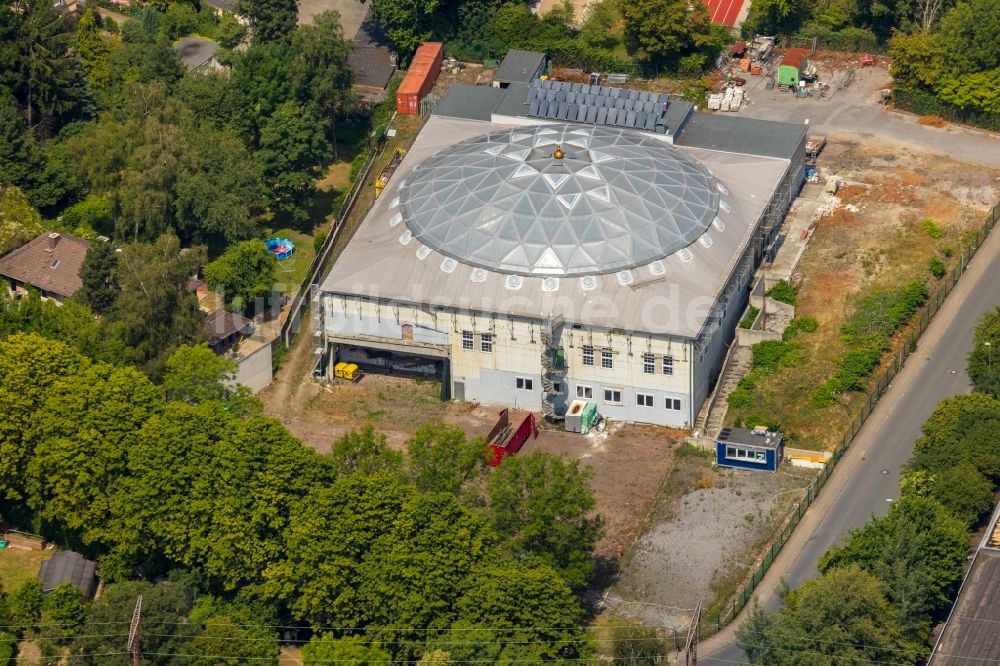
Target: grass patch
(750,317)
(292,271)
(18,566)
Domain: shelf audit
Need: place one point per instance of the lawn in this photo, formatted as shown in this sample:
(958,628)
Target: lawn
(18,566)
(292,271)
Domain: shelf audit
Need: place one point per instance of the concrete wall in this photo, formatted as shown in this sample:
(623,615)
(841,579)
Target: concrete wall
(254,370)
(747,337)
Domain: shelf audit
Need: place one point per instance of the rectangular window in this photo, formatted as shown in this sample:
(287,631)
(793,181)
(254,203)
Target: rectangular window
(468,340)
(643,399)
(668,365)
(607,358)
(588,355)
(586,392)
(648,364)
(674,403)
(556,387)
(524,383)
(613,396)
(486,342)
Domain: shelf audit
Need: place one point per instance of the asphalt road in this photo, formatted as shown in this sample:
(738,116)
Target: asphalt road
(873,483)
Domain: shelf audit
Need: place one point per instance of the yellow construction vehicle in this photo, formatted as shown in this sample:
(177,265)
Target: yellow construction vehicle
(388,169)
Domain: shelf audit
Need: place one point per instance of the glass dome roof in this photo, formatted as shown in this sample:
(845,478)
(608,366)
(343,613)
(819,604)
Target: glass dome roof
(504,201)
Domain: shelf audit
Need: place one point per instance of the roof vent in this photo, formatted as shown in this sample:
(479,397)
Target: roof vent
(719,224)
(624,278)
(394,203)
(518,154)
(479,275)
(422,252)
(395,219)
(724,206)
(448,264)
(589,172)
(550,284)
(705,241)
(401,185)
(685,255)
(513,282)
(568,201)
(555,179)
(519,137)
(494,149)
(722,188)
(406,237)
(657,268)
(524,170)
(588,283)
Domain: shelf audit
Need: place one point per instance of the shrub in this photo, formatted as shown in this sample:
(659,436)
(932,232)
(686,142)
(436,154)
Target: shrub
(750,317)
(931,228)
(747,383)
(739,397)
(854,366)
(319,239)
(92,215)
(936,267)
(805,324)
(880,313)
(784,292)
(823,395)
(356,165)
(769,355)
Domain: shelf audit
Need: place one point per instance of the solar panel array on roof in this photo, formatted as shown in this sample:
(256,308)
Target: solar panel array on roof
(598,105)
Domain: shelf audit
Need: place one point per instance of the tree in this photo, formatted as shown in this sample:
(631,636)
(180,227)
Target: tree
(329,533)
(842,617)
(406,23)
(230,635)
(93,215)
(29,366)
(165,606)
(522,614)
(270,20)
(19,221)
(25,603)
(638,646)
(777,17)
(442,460)
(435,658)
(660,32)
(154,312)
(215,99)
(917,550)
(961,429)
(983,373)
(23,162)
(263,76)
(364,451)
(91,50)
(293,147)
(970,35)
(197,374)
(244,275)
(963,490)
(70,322)
(63,606)
(328,649)
(543,505)
(322,75)
(99,291)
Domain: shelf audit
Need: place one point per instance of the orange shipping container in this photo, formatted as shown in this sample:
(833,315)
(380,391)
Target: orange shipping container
(420,78)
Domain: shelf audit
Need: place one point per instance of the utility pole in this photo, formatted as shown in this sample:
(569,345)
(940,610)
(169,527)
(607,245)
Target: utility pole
(133,632)
(691,647)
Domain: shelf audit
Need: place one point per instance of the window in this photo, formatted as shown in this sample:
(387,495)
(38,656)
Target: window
(556,387)
(486,342)
(673,403)
(644,399)
(736,453)
(586,392)
(607,358)
(648,364)
(668,365)
(524,383)
(467,340)
(588,355)
(613,396)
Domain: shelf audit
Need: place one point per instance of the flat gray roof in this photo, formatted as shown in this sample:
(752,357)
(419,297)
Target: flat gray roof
(670,298)
(519,66)
(738,134)
(195,51)
(746,437)
(470,102)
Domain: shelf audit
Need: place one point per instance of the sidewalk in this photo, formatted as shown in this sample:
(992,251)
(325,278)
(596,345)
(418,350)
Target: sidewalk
(831,494)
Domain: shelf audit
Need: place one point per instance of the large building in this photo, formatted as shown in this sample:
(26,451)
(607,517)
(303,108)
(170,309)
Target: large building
(536,246)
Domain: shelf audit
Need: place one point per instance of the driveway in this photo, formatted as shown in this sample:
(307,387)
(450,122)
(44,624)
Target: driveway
(866,480)
(855,110)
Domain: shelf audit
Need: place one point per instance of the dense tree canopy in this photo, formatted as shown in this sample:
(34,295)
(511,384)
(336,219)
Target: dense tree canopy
(270,20)
(243,275)
(660,32)
(985,375)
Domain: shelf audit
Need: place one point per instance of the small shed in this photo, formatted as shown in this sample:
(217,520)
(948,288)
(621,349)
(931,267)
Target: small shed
(793,67)
(758,449)
(223,329)
(67,565)
(520,67)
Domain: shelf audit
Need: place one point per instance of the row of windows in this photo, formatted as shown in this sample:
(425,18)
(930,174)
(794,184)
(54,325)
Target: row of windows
(735,453)
(648,361)
(485,341)
(613,396)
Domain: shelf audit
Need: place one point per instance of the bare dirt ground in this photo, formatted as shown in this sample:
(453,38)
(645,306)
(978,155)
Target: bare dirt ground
(705,529)
(352,13)
(871,235)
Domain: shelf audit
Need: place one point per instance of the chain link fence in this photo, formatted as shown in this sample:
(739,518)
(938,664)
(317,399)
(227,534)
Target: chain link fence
(711,625)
